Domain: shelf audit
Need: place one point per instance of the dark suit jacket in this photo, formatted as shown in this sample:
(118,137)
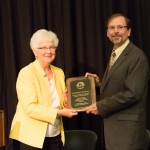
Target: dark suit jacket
(123,100)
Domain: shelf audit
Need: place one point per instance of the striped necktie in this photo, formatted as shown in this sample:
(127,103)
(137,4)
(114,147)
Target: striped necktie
(112,59)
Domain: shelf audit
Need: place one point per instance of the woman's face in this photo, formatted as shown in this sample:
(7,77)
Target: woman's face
(45,53)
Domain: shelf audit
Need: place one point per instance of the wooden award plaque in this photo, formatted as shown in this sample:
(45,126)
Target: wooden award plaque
(81,92)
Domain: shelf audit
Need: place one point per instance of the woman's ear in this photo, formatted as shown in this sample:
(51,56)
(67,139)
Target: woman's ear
(35,54)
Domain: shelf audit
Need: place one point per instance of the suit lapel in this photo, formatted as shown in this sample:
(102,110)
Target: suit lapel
(120,59)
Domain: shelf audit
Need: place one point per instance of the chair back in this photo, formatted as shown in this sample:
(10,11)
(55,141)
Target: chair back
(2,131)
(147,140)
(80,140)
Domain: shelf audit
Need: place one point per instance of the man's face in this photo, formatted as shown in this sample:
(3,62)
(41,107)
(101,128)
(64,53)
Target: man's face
(117,31)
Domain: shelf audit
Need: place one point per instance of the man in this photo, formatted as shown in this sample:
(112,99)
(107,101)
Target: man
(123,90)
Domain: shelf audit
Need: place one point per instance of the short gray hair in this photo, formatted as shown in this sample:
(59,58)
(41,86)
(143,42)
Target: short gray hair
(42,35)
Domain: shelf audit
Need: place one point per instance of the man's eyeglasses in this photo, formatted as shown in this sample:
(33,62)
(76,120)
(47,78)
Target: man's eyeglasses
(51,48)
(112,28)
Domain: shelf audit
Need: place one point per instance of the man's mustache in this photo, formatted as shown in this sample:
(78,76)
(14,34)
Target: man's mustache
(116,34)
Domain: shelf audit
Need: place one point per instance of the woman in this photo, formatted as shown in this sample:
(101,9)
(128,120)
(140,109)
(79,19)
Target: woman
(37,123)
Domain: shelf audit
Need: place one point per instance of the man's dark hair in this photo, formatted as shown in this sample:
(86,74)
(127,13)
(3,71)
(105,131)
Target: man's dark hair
(128,22)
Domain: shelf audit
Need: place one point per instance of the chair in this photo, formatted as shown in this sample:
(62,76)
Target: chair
(80,140)
(147,140)
(2,131)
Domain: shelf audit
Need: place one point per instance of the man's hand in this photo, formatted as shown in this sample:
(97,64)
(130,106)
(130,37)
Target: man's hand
(96,78)
(92,109)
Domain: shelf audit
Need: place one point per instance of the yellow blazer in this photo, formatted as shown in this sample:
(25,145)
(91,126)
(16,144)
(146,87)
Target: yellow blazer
(34,110)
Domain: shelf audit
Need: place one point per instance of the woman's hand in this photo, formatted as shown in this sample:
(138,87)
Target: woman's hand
(65,102)
(96,78)
(67,112)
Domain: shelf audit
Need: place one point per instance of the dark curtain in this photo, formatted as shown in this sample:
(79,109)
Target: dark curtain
(80,26)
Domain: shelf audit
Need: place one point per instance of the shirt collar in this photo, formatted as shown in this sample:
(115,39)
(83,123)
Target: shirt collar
(120,49)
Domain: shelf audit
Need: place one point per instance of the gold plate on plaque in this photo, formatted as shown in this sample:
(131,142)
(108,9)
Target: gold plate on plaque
(81,92)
